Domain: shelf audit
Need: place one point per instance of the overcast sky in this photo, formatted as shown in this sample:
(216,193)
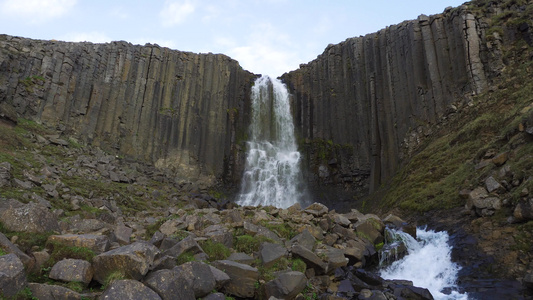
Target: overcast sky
(266,37)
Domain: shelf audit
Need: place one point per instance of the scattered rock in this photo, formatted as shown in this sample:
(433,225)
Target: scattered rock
(96,243)
(169,284)
(47,291)
(72,270)
(242,278)
(31,217)
(12,276)
(198,276)
(5,174)
(129,289)
(286,285)
(271,253)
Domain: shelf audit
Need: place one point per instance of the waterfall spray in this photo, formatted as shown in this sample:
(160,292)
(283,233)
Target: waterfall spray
(272,173)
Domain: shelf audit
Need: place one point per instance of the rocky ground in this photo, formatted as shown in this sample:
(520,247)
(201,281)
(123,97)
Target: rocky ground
(78,223)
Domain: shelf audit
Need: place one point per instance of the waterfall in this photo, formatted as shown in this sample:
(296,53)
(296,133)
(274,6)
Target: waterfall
(272,173)
(427,264)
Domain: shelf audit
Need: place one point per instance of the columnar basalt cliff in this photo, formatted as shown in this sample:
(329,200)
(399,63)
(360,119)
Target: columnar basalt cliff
(174,109)
(366,103)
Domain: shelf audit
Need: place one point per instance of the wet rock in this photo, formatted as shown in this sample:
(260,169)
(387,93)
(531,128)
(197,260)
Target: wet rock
(270,253)
(286,285)
(12,276)
(31,217)
(96,243)
(242,278)
(411,292)
(133,261)
(129,289)
(169,284)
(199,276)
(69,270)
(368,230)
(47,291)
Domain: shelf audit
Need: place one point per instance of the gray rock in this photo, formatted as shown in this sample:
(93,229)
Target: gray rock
(242,278)
(5,174)
(12,276)
(199,276)
(304,239)
(169,284)
(310,259)
(72,270)
(23,184)
(493,186)
(286,285)
(367,230)
(123,234)
(31,217)
(271,253)
(188,244)
(215,296)
(317,209)
(6,244)
(221,278)
(242,258)
(86,226)
(129,289)
(132,261)
(54,292)
(96,243)
(220,234)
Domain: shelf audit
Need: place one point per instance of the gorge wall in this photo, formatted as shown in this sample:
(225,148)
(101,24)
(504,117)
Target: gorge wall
(174,109)
(364,105)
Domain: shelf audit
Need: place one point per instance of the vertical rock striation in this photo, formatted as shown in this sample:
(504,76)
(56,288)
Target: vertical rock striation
(174,109)
(372,98)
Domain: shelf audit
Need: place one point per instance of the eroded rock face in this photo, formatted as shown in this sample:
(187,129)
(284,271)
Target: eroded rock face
(151,103)
(366,103)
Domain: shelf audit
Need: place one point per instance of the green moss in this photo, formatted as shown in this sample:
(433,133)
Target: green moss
(298,265)
(185,257)
(59,252)
(249,244)
(215,250)
(2,252)
(26,240)
(283,230)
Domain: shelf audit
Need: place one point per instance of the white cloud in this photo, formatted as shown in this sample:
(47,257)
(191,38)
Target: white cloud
(36,10)
(266,51)
(94,37)
(175,12)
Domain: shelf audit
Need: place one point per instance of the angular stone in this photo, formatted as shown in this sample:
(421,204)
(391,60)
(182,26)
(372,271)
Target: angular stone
(6,244)
(242,258)
(88,226)
(5,174)
(188,244)
(317,209)
(123,234)
(500,159)
(31,217)
(96,243)
(493,186)
(242,278)
(12,275)
(304,239)
(169,284)
(220,234)
(271,253)
(310,259)
(335,259)
(131,261)
(129,289)
(221,278)
(286,286)
(490,203)
(72,270)
(367,230)
(341,220)
(171,226)
(215,296)
(198,275)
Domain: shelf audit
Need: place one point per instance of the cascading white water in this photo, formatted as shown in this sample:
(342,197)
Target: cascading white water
(272,173)
(428,264)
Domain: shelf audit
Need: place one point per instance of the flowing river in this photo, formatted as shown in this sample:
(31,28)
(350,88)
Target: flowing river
(272,173)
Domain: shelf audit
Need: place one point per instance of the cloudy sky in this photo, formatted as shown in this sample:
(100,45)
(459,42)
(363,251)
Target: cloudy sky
(266,37)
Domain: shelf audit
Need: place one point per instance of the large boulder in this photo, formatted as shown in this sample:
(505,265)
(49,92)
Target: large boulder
(5,174)
(170,284)
(198,276)
(132,261)
(97,243)
(304,239)
(271,253)
(310,259)
(188,244)
(70,270)
(129,289)
(12,276)
(243,278)
(31,217)
(286,285)
(9,247)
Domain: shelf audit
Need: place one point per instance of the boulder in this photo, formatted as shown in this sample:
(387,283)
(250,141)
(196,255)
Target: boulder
(69,270)
(132,261)
(198,276)
(242,258)
(286,286)
(243,278)
(169,284)
(9,247)
(492,185)
(523,211)
(310,258)
(367,230)
(475,195)
(215,296)
(47,291)
(96,243)
(335,258)
(171,226)
(5,174)
(12,276)
(271,253)
(129,289)
(317,209)
(188,244)
(341,220)
(220,234)
(221,278)
(87,226)
(304,239)
(31,217)
(123,234)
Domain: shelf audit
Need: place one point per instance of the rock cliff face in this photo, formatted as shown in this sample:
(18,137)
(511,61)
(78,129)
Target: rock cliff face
(171,108)
(366,103)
